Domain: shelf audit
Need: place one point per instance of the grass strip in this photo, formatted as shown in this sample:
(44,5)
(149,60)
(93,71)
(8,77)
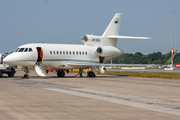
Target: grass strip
(166,75)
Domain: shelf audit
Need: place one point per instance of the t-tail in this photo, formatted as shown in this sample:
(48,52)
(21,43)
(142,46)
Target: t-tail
(110,35)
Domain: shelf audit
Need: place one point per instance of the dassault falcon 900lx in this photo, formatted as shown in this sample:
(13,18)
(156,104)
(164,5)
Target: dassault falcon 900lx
(96,51)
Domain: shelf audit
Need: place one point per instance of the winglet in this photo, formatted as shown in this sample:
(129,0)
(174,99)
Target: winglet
(171,58)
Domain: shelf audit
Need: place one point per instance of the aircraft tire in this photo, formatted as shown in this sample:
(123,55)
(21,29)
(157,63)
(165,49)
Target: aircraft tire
(26,76)
(91,74)
(1,74)
(60,73)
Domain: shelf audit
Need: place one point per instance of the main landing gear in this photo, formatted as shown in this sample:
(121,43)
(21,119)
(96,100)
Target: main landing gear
(26,70)
(60,73)
(91,74)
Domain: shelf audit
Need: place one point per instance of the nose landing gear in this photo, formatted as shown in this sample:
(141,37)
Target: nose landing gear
(26,70)
(26,76)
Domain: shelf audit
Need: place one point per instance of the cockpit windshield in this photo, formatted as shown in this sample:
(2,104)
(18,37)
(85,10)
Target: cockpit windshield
(30,50)
(21,50)
(24,50)
(17,50)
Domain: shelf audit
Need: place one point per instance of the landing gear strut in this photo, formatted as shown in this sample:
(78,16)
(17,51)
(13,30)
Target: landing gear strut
(26,70)
(60,73)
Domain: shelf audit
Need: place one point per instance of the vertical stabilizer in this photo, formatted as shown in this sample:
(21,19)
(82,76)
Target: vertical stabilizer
(114,26)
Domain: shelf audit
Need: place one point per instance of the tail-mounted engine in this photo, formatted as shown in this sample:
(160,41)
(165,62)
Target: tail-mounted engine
(107,51)
(91,39)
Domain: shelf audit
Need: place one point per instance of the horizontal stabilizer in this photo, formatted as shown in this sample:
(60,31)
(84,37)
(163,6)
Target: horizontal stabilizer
(127,37)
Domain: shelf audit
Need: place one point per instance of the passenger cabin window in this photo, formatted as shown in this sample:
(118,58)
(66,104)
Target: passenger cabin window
(21,50)
(54,52)
(26,50)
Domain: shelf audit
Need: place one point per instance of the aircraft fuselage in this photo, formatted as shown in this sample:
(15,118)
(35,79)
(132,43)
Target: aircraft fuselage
(53,55)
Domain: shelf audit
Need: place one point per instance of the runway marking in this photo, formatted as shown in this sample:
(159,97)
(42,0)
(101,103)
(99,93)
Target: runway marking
(164,106)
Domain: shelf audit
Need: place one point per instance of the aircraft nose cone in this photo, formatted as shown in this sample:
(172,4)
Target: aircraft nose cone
(7,59)
(10,59)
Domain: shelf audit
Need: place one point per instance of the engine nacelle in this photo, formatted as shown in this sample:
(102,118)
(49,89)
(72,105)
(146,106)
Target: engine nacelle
(90,39)
(107,51)
(103,69)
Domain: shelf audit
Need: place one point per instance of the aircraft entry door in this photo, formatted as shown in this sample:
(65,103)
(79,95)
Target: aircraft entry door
(40,54)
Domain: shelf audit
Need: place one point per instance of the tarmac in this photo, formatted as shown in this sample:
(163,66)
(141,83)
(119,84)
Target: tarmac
(82,98)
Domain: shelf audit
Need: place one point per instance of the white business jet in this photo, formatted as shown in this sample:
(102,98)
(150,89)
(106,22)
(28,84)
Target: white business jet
(96,51)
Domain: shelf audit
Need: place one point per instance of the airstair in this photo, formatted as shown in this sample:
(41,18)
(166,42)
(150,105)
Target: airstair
(39,69)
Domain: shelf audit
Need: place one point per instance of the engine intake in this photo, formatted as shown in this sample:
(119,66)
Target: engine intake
(90,39)
(99,51)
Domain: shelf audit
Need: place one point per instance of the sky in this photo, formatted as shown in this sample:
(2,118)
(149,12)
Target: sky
(66,21)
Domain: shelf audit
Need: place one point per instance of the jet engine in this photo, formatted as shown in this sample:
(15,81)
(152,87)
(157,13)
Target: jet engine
(91,39)
(107,51)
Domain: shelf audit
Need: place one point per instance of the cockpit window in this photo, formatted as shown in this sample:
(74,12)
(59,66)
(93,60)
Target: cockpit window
(17,50)
(30,50)
(21,50)
(26,50)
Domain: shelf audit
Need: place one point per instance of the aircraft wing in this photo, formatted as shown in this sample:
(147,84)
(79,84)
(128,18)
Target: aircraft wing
(98,65)
(121,65)
(127,37)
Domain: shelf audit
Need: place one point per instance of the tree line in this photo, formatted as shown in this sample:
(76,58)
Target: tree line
(139,58)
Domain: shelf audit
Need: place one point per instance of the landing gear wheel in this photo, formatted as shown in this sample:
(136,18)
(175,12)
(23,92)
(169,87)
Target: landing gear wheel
(91,74)
(26,76)
(1,74)
(60,73)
